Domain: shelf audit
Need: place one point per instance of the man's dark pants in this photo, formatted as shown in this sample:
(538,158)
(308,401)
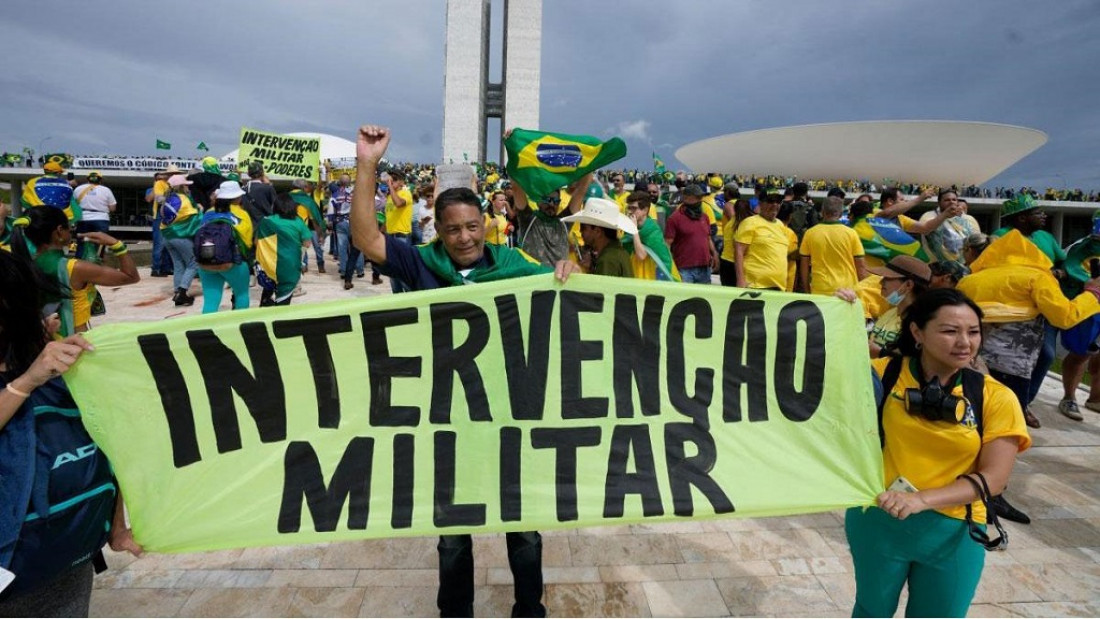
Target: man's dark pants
(456,574)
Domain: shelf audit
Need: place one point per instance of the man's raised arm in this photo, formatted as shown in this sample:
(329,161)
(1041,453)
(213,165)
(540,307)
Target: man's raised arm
(370,145)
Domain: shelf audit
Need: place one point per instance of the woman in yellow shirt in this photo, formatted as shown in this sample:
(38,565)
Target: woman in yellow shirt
(496,221)
(733,214)
(929,535)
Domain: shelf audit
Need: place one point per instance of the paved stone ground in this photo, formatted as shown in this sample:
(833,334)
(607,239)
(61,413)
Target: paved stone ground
(796,566)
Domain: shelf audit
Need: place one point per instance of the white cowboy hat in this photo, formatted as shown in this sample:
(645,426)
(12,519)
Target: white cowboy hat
(605,214)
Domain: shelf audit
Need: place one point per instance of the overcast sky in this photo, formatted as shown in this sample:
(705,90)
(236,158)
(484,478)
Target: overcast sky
(111,77)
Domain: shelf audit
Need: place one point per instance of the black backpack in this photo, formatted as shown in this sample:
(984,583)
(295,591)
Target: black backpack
(804,215)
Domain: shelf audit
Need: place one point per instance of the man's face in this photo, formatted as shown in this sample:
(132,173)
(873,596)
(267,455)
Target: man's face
(590,234)
(345,180)
(769,210)
(551,204)
(692,201)
(462,231)
(618,181)
(1034,220)
(948,200)
(654,191)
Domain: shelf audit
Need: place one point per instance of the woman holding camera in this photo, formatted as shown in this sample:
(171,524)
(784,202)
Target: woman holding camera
(47,229)
(950,439)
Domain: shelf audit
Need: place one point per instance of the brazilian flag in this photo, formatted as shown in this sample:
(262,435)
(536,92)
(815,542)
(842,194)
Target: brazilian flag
(544,162)
(308,209)
(279,251)
(53,191)
(658,165)
(885,238)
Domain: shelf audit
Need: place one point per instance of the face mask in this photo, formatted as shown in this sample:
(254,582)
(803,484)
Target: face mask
(895,298)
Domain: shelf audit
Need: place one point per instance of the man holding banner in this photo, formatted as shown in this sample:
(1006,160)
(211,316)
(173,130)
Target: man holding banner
(459,255)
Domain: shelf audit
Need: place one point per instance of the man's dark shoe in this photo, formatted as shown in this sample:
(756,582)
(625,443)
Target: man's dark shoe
(1031,420)
(1007,511)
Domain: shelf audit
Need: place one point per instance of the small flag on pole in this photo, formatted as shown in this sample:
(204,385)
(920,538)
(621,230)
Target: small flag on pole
(658,165)
(202,146)
(162,145)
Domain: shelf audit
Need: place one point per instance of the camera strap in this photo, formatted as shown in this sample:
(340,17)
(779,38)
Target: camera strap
(986,497)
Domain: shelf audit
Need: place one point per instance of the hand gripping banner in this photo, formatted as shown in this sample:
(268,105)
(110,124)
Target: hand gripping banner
(511,406)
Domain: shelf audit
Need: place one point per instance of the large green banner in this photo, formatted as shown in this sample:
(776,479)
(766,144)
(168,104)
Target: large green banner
(518,405)
(285,157)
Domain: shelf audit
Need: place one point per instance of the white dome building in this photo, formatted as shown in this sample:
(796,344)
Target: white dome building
(926,151)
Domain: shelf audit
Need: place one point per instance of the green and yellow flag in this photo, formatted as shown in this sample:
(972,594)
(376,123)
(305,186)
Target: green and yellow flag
(162,145)
(308,209)
(279,250)
(202,146)
(544,162)
(658,165)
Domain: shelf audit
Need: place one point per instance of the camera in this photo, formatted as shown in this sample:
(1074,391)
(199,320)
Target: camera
(933,403)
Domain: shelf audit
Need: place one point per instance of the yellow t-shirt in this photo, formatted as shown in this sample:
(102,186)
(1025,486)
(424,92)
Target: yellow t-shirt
(498,235)
(766,255)
(792,265)
(931,454)
(831,247)
(906,223)
(160,190)
(399,220)
(728,228)
(869,290)
(887,328)
(82,301)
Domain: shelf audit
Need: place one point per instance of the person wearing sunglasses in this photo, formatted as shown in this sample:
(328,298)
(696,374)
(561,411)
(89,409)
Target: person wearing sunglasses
(950,437)
(541,233)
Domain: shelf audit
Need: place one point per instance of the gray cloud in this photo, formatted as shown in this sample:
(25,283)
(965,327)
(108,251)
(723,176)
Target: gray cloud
(111,77)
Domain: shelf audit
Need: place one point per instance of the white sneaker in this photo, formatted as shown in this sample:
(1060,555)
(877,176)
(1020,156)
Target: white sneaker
(1069,409)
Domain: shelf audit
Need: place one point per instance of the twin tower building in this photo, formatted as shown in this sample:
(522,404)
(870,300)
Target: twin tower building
(470,98)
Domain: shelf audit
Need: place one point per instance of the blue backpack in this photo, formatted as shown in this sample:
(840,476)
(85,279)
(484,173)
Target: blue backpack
(216,244)
(58,489)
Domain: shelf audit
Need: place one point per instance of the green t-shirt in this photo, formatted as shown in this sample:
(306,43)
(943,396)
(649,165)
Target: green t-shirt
(614,261)
(1046,243)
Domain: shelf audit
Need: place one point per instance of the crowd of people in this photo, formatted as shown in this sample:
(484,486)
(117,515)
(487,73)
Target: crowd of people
(962,324)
